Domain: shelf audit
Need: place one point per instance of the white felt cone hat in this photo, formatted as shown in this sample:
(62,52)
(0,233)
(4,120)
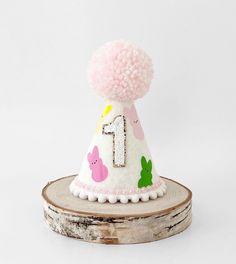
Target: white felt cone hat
(118,165)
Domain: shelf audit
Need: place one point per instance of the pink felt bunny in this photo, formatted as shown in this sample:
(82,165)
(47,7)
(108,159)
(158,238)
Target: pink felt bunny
(99,171)
(131,114)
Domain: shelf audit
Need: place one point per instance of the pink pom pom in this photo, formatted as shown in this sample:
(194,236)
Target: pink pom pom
(120,71)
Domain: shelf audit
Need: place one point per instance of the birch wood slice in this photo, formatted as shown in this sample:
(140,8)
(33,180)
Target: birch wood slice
(116,223)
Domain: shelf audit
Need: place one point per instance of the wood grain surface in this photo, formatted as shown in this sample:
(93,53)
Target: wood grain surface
(116,223)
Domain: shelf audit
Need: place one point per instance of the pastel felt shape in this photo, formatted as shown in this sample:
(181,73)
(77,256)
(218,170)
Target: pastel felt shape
(146,173)
(105,112)
(99,171)
(132,116)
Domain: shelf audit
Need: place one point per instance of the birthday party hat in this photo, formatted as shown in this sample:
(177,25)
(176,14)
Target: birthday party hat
(118,165)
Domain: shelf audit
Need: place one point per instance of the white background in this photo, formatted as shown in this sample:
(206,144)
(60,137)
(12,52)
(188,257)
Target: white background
(48,115)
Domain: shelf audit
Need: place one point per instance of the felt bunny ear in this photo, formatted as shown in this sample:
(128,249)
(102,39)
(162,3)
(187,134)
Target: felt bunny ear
(132,110)
(95,151)
(89,156)
(107,110)
(127,111)
(149,165)
(143,162)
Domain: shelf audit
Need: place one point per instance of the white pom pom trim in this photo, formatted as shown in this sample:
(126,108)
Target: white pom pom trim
(111,198)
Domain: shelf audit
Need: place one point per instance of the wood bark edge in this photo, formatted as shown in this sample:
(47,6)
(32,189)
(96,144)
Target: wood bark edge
(165,211)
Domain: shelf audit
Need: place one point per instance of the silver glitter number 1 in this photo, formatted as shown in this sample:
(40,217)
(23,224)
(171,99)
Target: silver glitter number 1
(118,130)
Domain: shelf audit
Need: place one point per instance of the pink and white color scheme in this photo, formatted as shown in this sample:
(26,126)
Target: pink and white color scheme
(118,166)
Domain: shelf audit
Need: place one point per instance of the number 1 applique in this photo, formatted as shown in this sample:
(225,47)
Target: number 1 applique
(118,130)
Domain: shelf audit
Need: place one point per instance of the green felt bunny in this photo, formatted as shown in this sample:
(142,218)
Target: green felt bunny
(146,173)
